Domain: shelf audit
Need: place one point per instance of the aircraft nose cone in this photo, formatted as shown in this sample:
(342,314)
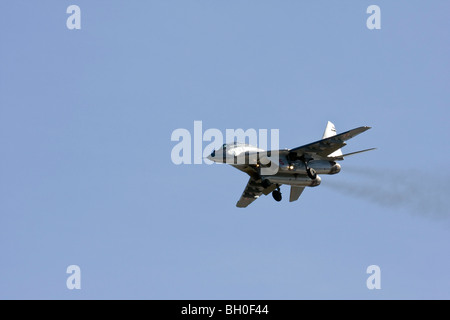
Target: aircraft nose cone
(209,158)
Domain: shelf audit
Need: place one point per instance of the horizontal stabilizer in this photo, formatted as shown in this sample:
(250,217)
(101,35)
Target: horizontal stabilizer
(295,193)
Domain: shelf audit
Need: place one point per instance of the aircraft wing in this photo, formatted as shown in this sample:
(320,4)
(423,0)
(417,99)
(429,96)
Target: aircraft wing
(252,192)
(329,145)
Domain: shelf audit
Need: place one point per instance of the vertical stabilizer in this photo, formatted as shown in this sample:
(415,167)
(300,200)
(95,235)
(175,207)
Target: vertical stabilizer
(330,131)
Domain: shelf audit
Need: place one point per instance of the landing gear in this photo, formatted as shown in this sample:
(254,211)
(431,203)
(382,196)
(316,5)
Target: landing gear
(311,173)
(276,194)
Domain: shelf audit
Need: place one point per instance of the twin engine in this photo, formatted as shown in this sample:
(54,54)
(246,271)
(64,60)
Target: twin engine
(294,172)
(320,166)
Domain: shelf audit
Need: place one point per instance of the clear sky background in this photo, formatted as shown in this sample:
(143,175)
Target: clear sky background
(86,176)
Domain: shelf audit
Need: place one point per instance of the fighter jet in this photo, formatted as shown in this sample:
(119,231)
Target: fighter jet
(298,167)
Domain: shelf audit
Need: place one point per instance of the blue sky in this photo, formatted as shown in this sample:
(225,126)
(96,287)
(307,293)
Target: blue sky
(86,176)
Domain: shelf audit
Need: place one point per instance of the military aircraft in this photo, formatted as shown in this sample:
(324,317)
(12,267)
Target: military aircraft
(298,167)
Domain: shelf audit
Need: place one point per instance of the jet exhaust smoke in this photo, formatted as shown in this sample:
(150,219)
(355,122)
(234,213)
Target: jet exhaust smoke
(421,194)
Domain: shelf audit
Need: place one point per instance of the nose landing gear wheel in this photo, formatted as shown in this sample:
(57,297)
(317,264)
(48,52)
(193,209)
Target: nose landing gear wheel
(276,194)
(311,173)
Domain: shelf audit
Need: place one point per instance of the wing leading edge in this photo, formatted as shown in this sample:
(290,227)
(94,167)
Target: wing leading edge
(326,146)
